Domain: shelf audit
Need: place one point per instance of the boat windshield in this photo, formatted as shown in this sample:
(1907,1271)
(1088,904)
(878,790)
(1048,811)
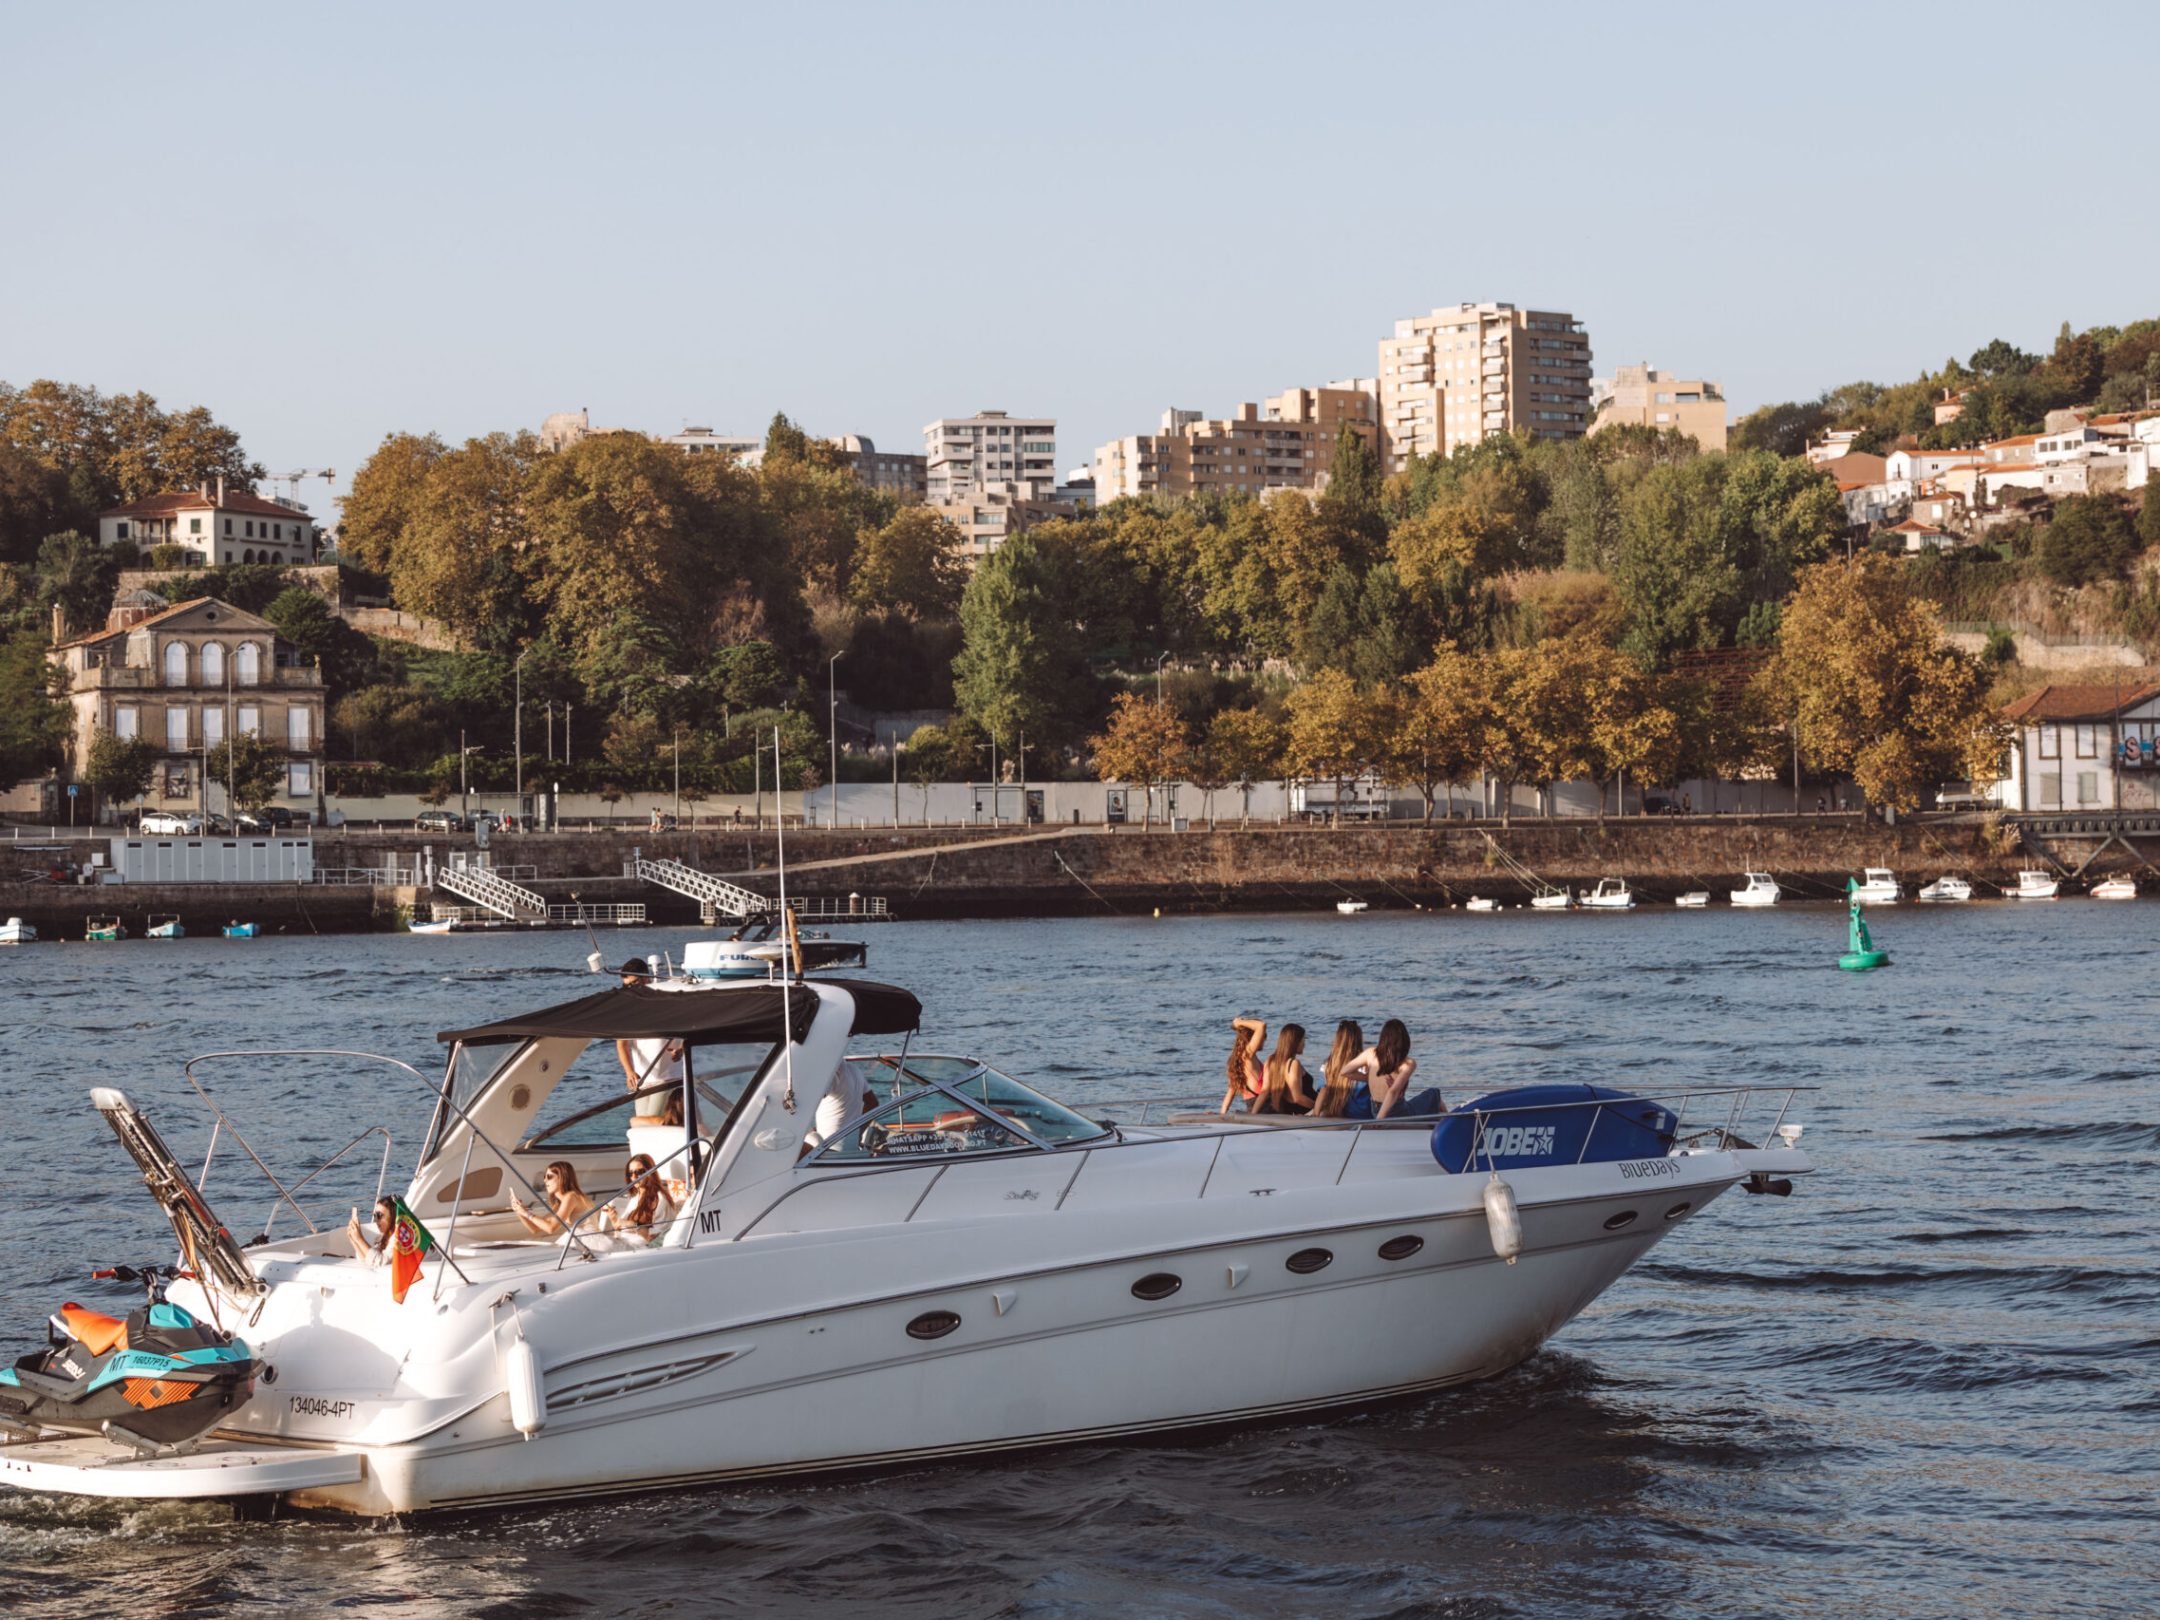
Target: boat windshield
(942,1105)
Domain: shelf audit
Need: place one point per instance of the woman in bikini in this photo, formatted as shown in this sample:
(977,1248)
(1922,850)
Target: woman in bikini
(1248,1077)
(1288,1091)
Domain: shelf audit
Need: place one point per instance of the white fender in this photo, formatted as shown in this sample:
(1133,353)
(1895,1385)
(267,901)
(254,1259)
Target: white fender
(526,1388)
(1503,1219)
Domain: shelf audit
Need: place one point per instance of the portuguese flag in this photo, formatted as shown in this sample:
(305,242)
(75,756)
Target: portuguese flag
(409,1240)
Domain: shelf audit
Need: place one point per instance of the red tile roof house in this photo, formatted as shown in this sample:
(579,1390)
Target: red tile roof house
(2068,749)
(215,525)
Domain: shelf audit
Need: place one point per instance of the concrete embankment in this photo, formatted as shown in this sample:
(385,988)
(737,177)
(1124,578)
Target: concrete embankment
(1096,870)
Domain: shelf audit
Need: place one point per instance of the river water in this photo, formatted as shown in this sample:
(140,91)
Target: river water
(1923,1385)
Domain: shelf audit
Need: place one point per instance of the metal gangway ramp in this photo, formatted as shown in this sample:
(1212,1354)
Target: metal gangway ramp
(716,896)
(498,894)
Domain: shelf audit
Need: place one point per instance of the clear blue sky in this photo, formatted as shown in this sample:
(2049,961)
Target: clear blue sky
(332,222)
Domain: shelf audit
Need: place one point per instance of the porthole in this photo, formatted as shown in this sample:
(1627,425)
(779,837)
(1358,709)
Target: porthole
(933,1325)
(1401,1248)
(1613,1223)
(521,1097)
(1157,1285)
(1678,1210)
(1307,1261)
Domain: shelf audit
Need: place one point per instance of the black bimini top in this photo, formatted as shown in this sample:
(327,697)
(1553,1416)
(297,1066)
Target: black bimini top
(699,1017)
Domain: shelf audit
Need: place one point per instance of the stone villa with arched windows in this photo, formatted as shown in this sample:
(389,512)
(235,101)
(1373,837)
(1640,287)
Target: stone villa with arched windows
(182,677)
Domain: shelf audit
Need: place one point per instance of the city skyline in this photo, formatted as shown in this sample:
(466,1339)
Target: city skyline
(676,219)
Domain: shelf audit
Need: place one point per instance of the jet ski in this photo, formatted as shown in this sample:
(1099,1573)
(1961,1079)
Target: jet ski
(155,1380)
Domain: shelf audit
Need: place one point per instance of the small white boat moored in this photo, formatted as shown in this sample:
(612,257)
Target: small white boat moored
(2033,884)
(1756,889)
(1481,902)
(1949,888)
(1611,894)
(17,932)
(2117,887)
(1878,886)
(1693,898)
(1552,900)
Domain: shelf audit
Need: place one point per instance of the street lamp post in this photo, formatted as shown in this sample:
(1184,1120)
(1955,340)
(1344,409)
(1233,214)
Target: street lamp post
(1165,658)
(678,775)
(464,781)
(832,722)
(517,734)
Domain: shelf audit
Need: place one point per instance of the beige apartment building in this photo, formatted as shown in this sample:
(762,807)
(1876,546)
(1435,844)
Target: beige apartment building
(1287,443)
(1453,377)
(1643,396)
(186,676)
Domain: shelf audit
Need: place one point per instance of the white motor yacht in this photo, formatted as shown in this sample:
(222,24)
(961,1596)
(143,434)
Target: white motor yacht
(1481,902)
(2117,887)
(1611,894)
(1757,889)
(748,955)
(963,1266)
(1693,898)
(17,932)
(1878,886)
(2035,884)
(1947,888)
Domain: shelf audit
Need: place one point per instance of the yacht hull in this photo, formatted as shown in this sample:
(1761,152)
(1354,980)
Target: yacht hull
(1053,1344)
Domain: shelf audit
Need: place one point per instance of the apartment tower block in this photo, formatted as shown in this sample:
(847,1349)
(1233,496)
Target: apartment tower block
(1453,377)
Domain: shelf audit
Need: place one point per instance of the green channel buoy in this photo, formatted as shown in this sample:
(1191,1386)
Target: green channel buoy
(1860,956)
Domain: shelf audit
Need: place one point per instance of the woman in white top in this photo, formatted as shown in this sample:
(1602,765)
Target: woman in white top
(640,1217)
(373,1251)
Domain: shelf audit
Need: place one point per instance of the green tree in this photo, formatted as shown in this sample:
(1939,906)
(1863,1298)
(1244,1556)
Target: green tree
(2148,523)
(458,560)
(1672,569)
(33,722)
(252,765)
(75,574)
(2089,537)
(117,768)
(404,726)
(1020,668)
(346,657)
(1145,744)
(1874,689)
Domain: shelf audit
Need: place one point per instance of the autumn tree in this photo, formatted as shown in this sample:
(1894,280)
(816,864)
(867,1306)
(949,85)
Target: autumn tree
(1874,689)
(458,560)
(910,565)
(1436,723)
(387,498)
(1244,745)
(1145,744)
(1332,733)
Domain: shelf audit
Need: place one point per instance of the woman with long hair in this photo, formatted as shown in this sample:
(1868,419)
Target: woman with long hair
(641,1216)
(1248,1078)
(1342,1073)
(1389,1067)
(1287,1090)
(567,1203)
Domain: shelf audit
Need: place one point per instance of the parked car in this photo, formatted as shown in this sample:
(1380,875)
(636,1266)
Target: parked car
(493,820)
(439,821)
(270,818)
(168,824)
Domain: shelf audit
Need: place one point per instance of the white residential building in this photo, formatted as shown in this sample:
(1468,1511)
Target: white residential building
(2085,747)
(215,526)
(990,452)
(697,441)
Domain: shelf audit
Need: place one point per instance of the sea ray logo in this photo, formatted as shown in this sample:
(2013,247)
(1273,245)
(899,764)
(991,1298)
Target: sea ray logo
(1520,1141)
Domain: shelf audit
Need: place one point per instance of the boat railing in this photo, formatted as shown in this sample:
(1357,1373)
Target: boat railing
(1722,1135)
